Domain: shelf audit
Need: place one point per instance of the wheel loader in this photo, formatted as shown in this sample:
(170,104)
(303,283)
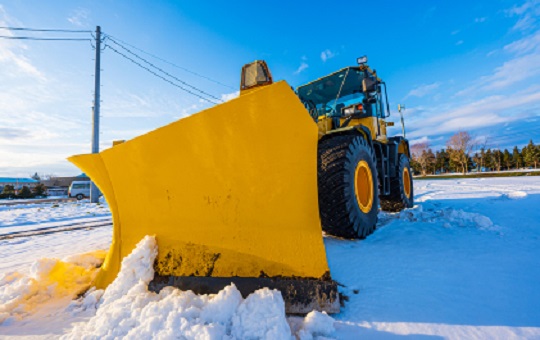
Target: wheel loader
(241,192)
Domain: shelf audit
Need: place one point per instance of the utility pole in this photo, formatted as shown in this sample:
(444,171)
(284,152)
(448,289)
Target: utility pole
(402,108)
(94,191)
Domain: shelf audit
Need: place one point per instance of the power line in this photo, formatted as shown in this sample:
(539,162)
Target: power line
(112,38)
(163,78)
(50,39)
(42,29)
(163,71)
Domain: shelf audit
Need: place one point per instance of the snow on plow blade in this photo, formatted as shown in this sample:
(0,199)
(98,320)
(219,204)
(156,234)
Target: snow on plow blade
(231,195)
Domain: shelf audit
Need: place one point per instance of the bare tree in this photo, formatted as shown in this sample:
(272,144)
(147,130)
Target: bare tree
(422,155)
(460,147)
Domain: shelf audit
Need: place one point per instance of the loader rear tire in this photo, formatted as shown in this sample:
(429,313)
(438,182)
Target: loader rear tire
(401,188)
(348,188)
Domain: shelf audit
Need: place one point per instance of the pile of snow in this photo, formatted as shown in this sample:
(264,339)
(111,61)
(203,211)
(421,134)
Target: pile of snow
(48,279)
(316,325)
(514,195)
(128,310)
(448,216)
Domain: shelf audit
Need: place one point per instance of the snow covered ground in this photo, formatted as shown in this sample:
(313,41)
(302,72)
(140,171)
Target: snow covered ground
(463,263)
(19,253)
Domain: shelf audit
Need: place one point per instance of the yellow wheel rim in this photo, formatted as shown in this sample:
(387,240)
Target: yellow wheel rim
(363,186)
(406,182)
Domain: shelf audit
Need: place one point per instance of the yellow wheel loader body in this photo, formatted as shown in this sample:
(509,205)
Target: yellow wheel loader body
(229,192)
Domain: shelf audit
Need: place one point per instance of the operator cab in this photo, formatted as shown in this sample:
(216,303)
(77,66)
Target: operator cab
(352,91)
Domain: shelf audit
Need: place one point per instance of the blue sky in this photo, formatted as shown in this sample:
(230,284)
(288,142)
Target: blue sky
(457,65)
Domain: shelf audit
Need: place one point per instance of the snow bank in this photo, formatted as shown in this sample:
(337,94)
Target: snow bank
(448,216)
(20,294)
(128,310)
(35,214)
(514,195)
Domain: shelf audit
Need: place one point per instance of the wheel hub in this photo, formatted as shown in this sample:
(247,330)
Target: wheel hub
(363,186)
(406,182)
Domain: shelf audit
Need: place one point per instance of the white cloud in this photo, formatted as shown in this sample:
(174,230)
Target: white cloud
(490,111)
(126,104)
(527,5)
(327,54)
(423,90)
(512,72)
(79,17)
(228,96)
(482,19)
(424,139)
(301,68)
(524,23)
(15,64)
(527,44)
(10,133)
(459,42)
(527,15)
(525,65)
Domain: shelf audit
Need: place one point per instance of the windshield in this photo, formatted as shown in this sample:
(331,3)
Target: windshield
(322,93)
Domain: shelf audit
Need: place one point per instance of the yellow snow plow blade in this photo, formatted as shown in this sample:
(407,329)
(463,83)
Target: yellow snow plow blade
(229,192)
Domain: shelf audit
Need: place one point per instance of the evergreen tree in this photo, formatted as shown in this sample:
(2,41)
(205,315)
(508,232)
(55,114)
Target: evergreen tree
(489,160)
(476,161)
(441,161)
(507,159)
(430,166)
(517,158)
(8,190)
(25,192)
(36,177)
(531,154)
(39,190)
(415,166)
(536,157)
(497,159)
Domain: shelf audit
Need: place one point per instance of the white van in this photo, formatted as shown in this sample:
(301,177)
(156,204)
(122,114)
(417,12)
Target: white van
(79,189)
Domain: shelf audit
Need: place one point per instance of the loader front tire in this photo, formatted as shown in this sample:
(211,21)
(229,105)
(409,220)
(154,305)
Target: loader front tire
(348,187)
(401,188)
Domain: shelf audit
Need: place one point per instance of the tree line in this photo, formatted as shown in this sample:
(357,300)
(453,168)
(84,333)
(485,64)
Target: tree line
(8,191)
(464,154)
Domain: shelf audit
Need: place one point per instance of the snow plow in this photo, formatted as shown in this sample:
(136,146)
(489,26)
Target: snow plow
(235,194)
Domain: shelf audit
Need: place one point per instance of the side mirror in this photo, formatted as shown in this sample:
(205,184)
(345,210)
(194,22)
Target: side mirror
(369,85)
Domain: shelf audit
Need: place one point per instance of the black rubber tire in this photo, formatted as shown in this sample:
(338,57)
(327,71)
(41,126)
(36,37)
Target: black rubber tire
(398,200)
(339,209)
(80,196)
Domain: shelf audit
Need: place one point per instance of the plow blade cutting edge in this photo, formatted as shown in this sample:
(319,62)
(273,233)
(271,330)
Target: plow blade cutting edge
(231,195)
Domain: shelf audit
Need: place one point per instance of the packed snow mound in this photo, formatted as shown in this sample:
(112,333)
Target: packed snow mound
(261,316)
(317,324)
(137,267)
(21,294)
(514,195)
(128,310)
(449,217)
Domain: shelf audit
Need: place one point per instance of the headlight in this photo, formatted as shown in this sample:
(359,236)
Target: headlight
(362,60)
